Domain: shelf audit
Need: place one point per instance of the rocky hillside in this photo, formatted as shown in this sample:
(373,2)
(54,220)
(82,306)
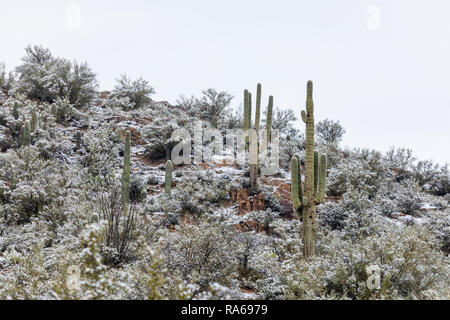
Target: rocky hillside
(65,232)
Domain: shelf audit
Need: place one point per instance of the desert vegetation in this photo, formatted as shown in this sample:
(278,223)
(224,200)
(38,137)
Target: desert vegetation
(93,207)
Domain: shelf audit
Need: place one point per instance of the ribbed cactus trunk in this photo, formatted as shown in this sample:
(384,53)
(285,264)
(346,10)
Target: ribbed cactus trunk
(168,178)
(269,117)
(258,106)
(309,208)
(126,171)
(249,124)
(253,149)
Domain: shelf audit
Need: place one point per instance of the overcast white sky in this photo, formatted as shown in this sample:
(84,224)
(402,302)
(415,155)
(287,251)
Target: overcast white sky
(380,67)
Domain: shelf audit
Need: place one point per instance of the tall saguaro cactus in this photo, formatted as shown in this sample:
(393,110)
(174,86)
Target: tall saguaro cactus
(305,201)
(258,106)
(309,211)
(168,178)
(126,171)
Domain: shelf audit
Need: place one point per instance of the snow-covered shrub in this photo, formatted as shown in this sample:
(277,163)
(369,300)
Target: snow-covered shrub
(158,136)
(130,94)
(329,131)
(364,171)
(44,77)
(202,254)
(410,266)
(331,215)
(117,241)
(213,105)
(440,226)
(137,188)
(408,197)
(35,184)
(440,183)
(103,150)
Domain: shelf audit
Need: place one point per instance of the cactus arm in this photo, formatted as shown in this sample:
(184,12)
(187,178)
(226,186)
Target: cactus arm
(304,116)
(269,117)
(316,172)
(305,201)
(295,184)
(322,179)
(249,110)
(300,188)
(258,106)
(245,123)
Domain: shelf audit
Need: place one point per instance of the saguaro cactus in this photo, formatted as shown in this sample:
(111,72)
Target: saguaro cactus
(168,180)
(258,106)
(126,171)
(26,139)
(309,209)
(16,110)
(314,190)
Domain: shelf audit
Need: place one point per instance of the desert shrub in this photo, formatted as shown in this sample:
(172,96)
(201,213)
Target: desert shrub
(44,77)
(202,254)
(329,131)
(331,215)
(116,245)
(440,226)
(137,188)
(440,184)
(339,269)
(364,171)
(103,150)
(213,105)
(402,160)
(132,94)
(158,138)
(408,197)
(35,184)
